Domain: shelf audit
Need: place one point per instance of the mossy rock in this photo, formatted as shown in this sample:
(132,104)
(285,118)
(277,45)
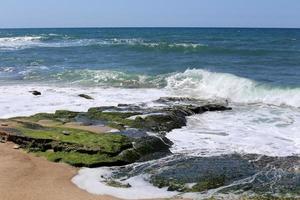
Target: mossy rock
(170,184)
(52,136)
(59,115)
(209,183)
(77,148)
(81,159)
(151,144)
(117,184)
(130,155)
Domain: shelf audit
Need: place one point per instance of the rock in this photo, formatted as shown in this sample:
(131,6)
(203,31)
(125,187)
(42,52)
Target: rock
(87,148)
(85,96)
(123,105)
(117,184)
(66,132)
(151,144)
(4,124)
(16,146)
(35,92)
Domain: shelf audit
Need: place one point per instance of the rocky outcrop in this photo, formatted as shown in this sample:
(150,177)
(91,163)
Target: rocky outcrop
(264,176)
(83,139)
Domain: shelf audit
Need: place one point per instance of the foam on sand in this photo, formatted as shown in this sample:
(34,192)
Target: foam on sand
(92,180)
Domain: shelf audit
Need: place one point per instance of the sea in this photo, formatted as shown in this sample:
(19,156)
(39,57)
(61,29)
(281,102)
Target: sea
(256,70)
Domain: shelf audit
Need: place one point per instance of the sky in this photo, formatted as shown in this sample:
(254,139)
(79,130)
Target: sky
(149,13)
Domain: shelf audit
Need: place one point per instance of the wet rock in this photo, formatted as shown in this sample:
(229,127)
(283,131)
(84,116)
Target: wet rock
(66,132)
(35,93)
(117,184)
(85,96)
(151,144)
(133,133)
(79,148)
(123,105)
(58,141)
(207,173)
(236,173)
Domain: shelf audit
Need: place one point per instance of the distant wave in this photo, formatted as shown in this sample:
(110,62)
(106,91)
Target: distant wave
(65,41)
(25,42)
(89,77)
(57,41)
(14,43)
(150,44)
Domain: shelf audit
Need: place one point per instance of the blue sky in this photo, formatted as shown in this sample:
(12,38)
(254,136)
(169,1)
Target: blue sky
(119,13)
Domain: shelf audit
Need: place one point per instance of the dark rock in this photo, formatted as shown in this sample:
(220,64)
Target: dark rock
(207,173)
(229,173)
(66,132)
(35,92)
(123,105)
(85,96)
(150,144)
(133,133)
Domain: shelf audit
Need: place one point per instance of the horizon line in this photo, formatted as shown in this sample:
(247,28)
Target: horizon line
(95,27)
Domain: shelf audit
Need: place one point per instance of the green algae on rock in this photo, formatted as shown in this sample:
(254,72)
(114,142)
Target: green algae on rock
(102,136)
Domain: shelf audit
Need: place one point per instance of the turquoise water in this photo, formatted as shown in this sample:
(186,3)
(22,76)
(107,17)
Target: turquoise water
(82,56)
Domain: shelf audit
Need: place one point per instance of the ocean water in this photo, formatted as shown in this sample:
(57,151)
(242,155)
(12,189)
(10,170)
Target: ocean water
(256,70)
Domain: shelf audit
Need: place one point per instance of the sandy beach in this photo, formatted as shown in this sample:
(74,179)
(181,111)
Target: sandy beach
(26,177)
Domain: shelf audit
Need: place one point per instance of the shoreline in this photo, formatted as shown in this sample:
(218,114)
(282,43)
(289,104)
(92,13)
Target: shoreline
(24,176)
(70,137)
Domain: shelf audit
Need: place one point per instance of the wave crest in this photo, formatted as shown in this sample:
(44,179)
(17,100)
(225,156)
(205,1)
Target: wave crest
(196,83)
(209,85)
(57,41)
(104,78)
(13,43)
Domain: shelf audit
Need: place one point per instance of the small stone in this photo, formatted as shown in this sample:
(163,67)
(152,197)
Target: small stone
(85,96)
(66,133)
(36,93)
(4,124)
(16,146)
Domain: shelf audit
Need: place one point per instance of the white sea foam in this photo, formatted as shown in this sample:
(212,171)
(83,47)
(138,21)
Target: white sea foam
(249,128)
(258,129)
(92,180)
(107,78)
(11,43)
(186,45)
(23,42)
(203,84)
(17,101)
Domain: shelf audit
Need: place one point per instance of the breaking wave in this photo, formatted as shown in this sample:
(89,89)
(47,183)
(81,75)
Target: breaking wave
(87,77)
(14,43)
(196,83)
(203,84)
